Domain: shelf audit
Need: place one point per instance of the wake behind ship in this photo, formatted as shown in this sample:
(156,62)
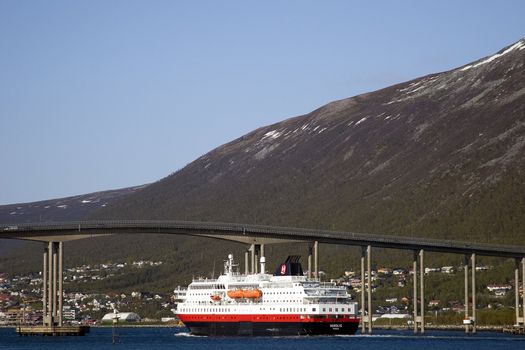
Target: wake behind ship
(286,303)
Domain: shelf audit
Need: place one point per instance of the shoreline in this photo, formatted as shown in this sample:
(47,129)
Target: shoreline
(444,328)
(121,326)
(381,327)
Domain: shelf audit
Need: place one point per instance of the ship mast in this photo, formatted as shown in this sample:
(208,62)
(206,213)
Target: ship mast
(229,265)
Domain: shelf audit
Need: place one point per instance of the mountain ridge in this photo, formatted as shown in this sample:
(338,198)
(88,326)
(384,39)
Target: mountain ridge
(437,156)
(411,102)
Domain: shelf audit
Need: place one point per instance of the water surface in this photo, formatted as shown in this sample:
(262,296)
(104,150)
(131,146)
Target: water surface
(174,338)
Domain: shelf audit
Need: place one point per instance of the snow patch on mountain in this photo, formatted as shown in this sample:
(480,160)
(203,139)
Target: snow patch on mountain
(273,134)
(360,121)
(519,45)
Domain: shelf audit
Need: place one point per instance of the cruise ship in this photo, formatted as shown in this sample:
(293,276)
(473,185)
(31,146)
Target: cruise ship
(285,303)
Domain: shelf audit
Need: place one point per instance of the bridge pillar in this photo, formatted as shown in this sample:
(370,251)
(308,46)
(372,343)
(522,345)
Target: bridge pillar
(517,290)
(48,318)
(523,287)
(473,265)
(366,290)
(414,278)
(55,277)
(363,298)
(466,319)
(247,262)
(252,260)
(316,259)
(52,283)
(60,282)
(369,290)
(419,317)
(309,260)
(44,284)
(422,289)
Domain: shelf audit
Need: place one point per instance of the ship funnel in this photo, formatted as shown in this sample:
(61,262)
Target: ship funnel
(263,264)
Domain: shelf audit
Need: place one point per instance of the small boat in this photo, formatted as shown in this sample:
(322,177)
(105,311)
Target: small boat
(215,297)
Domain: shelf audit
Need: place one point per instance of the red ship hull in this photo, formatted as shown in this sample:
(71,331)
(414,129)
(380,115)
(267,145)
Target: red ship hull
(276,325)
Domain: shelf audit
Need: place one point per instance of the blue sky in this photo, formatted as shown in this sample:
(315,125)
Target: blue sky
(98,95)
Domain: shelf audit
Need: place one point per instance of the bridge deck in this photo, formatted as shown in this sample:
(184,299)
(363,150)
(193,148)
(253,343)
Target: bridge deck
(64,231)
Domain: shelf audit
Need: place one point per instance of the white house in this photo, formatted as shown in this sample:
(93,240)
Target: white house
(122,317)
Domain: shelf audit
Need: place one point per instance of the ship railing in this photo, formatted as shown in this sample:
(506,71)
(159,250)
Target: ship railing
(323,293)
(327,285)
(204,279)
(331,303)
(317,284)
(296,278)
(334,301)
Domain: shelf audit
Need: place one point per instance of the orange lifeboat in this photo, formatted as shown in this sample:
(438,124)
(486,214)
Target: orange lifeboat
(245,293)
(252,293)
(235,294)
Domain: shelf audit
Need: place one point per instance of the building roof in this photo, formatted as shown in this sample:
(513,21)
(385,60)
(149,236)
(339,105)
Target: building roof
(122,316)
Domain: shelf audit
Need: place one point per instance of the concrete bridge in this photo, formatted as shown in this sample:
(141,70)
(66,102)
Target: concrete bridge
(55,234)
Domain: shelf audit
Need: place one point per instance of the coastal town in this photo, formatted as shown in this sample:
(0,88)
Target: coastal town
(21,295)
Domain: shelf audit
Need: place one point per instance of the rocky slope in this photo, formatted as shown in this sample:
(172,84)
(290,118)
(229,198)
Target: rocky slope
(61,209)
(442,155)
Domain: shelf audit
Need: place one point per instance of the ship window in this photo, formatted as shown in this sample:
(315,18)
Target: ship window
(313,309)
(330,309)
(336,309)
(324,309)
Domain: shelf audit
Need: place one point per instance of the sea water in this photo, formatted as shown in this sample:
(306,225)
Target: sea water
(175,338)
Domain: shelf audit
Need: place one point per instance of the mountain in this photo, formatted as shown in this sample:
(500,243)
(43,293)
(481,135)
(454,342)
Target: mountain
(61,209)
(440,156)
